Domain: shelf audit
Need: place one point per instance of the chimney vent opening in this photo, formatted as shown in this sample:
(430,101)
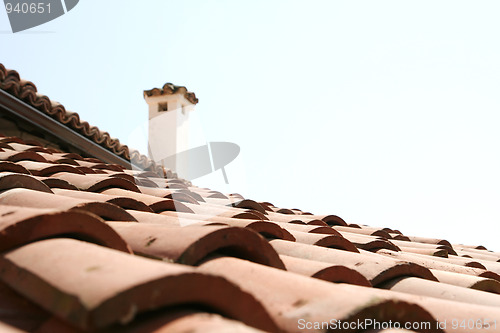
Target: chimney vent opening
(163,107)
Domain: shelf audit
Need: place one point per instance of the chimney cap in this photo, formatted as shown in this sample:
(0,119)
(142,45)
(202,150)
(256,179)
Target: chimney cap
(171,89)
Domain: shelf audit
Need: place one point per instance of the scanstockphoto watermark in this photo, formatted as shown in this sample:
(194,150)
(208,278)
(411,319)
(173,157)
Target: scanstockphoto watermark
(26,14)
(373,324)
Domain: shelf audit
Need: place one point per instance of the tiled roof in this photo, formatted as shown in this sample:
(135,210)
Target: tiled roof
(87,246)
(170,89)
(26,91)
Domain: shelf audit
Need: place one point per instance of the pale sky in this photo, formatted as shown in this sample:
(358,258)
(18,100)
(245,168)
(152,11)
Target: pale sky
(385,113)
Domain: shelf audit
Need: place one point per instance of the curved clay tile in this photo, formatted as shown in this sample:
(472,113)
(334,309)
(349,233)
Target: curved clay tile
(267,229)
(427,246)
(182,197)
(7,139)
(434,241)
(163,218)
(121,201)
(21,225)
(369,243)
(56,183)
(284,211)
(399,237)
(318,222)
(170,89)
(10,180)
(216,194)
(144,182)
(308,228)
(364,231)
(152,188)
(435,263)
(479,254)
(53,158)
(324,271)
(28,198)
(267,206)
(71,156)
(249,204)
(421,287)
(47,169)
(458,312)
(12,167)
(236,195)
(122,175)
(15,156)
(296,222)
(467,281)
(28,148)
(490,266)
(213,210)
(373,267)
(86,170)
(330,241)
(178,195)
(101,287)
(192,244)
(95,183)
(289,297)
(155,203)
(100,165)
(459,261)
(462,246)
(429,252)
(328,219)
(167,183)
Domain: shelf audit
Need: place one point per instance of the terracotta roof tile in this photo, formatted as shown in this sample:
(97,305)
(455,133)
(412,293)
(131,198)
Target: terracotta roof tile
(416,286)
(467,281)
(58,158)
(369,243)
(193,244)
(324,271)
(374,268)
(330,241)
(95,183)
(289,297)
(365,231)
(103,287)
(47,169)
(21,147)
(14,156)
(10,180)
(35,199)
(427,246)
(154,203)
(123,201)
(432,263)
(169,89)
(21,225)
(266,228)
(308,228)
(12,167)
(56,183)
(213,210)
(75,232)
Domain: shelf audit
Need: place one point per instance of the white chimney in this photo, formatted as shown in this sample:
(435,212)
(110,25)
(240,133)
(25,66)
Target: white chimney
(169,109)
